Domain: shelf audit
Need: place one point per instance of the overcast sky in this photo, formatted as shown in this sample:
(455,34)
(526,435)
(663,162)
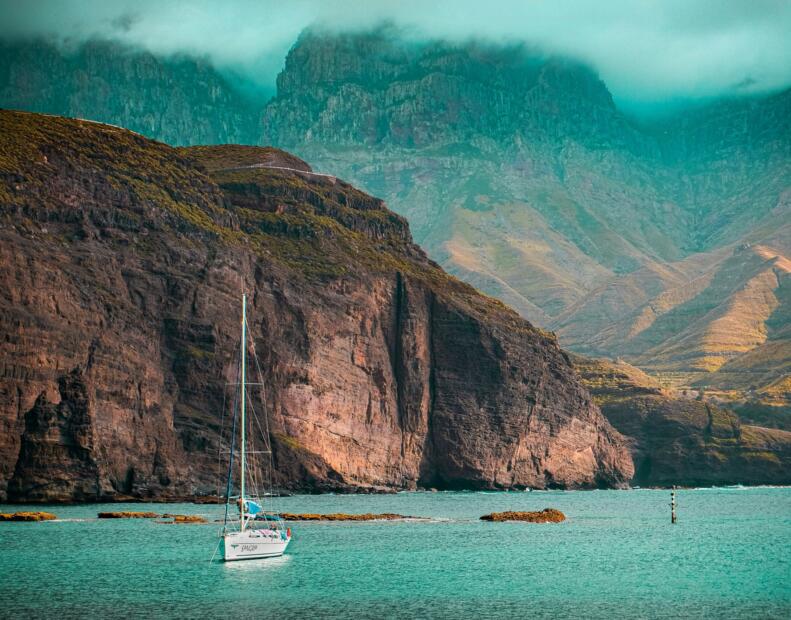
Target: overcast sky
(645,50)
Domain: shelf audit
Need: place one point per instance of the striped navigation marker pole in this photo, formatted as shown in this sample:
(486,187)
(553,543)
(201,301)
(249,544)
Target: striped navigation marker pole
(673,505)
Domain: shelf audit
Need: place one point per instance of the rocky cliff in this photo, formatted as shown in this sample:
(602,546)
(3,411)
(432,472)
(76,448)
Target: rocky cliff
(122,261)
(684,439)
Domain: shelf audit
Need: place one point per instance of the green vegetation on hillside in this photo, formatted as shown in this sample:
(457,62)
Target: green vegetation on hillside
(319,227)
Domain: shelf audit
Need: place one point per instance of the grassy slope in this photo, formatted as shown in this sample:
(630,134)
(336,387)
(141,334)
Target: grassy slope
(722,326)
(332,227)
(356,233)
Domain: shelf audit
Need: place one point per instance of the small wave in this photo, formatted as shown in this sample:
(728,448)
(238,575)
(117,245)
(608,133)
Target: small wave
(737,487)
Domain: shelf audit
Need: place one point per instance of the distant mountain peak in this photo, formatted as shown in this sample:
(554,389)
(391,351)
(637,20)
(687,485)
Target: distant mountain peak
(379,88)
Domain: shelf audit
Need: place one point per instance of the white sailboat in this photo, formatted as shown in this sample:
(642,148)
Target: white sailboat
(258,533)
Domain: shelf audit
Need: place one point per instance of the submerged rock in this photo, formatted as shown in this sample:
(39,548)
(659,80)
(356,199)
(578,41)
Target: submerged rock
(185,518)
(548,515)
(27,516)
(128,515)
(340,516)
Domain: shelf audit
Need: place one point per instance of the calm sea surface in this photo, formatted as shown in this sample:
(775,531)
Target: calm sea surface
(617,555)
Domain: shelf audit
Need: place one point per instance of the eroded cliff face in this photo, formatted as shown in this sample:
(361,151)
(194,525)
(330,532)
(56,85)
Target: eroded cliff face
(517,172)
(123,260)
(57,458)
(683,440)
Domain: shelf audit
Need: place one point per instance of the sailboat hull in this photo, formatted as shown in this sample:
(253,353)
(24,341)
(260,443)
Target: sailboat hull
(253,544)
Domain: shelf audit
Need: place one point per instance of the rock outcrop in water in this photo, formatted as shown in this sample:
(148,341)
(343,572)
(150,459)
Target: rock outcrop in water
(122,265)
(342,516)
(27,516)
(128,515)
(548,515)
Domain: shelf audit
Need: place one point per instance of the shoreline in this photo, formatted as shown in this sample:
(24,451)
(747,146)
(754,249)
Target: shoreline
(214,501)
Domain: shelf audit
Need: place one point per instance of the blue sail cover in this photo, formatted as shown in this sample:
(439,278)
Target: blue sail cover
(253,508)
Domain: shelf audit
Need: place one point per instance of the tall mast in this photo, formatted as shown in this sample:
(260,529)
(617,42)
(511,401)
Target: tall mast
(244,372)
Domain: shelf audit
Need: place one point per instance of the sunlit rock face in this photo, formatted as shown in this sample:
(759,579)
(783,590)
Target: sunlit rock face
(666,242)
(123,261)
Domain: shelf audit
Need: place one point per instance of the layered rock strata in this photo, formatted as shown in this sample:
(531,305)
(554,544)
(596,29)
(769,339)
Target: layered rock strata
(123,261)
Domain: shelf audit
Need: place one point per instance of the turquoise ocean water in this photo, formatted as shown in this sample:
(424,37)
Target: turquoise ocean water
(617,556)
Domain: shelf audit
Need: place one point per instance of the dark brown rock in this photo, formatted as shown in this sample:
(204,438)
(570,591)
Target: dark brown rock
(57,458)
(128,515)
(341,516)
(185,518)
(683,441)
(548,515)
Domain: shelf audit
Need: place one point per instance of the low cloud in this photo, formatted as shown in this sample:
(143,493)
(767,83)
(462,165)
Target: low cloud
(647,51)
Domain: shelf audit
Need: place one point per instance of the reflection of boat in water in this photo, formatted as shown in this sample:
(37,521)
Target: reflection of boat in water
(257,533)
(260,564)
